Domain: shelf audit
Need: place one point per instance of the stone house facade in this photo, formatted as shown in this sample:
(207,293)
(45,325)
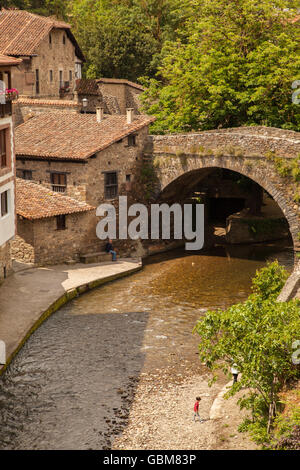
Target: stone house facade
(51,228)
(7,165)
(51,57)
(114,95)
(77,156)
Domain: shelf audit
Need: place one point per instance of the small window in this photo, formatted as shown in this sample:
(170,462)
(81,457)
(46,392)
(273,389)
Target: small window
(131,140)
(60,222)
(51,75)
(64,39)
(111,185)
(3,152)
(4,203)
(70,75)
(128,178)
(59,182)
(61,83)
(24,174)
(37,82)
(50,39)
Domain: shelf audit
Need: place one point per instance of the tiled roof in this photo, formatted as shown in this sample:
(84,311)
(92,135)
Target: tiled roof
(44,102)
(21,32)
(34,201)
(120,81)
(6,60)
(90,86)
(66,135)
(87,86)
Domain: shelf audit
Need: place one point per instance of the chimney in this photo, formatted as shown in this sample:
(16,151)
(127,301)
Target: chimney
(100,114)
(129,113)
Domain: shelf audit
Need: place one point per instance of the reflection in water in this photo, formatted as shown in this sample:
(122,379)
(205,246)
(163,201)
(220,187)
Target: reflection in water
(72,383)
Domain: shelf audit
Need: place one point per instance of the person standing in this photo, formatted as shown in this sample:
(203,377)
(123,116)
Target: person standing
(235,372)
(196,408)
(109,249)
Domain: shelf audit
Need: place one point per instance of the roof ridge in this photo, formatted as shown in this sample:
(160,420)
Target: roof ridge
(49,19)
(20,32)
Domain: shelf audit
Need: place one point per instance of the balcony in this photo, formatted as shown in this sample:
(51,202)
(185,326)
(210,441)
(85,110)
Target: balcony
(59,188)
(6,99)
(64,88)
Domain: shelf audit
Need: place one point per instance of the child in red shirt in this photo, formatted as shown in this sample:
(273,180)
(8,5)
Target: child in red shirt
(196,408)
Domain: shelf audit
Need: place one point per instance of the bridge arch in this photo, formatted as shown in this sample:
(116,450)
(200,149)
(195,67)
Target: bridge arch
(181,158)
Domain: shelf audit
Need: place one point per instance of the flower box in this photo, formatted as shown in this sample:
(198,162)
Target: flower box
(11,94)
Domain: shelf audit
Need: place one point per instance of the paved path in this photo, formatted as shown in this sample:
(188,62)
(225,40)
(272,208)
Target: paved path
(29,296)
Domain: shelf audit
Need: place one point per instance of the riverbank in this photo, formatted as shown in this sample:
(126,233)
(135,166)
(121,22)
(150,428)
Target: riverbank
(161,417)
(30,296)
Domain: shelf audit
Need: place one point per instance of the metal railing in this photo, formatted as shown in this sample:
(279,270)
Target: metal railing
(59,188)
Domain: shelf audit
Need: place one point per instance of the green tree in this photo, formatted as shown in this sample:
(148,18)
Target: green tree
(232,64)
(257,335)
(121,38)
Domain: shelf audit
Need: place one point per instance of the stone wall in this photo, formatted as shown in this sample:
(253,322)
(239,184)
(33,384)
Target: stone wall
(241,229)
(85,180)
(40,242)
(5,261)
(56,57)
(22,246)
(247,141)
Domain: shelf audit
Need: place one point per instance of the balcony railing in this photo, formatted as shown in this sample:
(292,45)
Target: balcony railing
(59,188)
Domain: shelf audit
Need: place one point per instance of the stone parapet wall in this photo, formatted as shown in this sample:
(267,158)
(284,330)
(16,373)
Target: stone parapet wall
(250,141)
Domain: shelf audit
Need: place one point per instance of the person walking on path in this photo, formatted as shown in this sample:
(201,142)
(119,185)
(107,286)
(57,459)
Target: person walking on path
(109,249)
(235,372)
(196,408)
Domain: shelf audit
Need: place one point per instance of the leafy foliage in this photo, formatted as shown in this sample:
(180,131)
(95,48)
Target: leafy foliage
(233,64)
(121,38)
(257,335)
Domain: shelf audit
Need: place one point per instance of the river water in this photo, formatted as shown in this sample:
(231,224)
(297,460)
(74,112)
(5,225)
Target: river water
(73,383)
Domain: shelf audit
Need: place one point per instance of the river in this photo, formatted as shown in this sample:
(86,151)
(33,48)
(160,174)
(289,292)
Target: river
(73,383)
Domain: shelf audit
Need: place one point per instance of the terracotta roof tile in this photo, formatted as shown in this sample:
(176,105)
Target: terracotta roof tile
(44,102)
(120,81)
(21,32)
(6,60)
(34,201)
(87,86)
(67,135)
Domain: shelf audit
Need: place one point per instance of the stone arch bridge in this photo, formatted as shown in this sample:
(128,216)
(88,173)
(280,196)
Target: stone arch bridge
(268,156)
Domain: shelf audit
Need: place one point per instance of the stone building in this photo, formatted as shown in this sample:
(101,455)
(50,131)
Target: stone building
(91,158)
(7,164)
(113,94)
(51,57)
(52,228)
